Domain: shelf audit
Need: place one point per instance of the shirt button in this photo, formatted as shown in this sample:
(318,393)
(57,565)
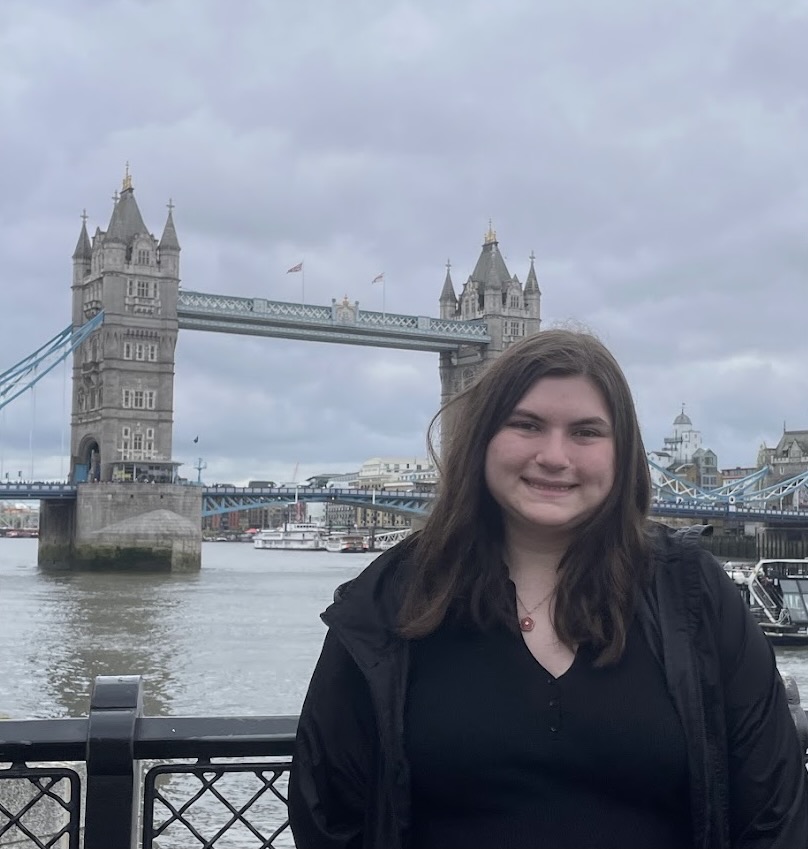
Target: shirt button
(553,702)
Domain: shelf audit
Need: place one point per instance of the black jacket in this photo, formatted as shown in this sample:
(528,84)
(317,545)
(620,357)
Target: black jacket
(349,784)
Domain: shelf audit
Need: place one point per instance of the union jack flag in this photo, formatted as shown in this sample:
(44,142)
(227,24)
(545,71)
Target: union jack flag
(378,278)
(298,267)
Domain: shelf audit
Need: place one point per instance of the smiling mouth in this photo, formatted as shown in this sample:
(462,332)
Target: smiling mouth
(551,487)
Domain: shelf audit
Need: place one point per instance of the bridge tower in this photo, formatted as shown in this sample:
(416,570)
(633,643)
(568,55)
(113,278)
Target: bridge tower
(129,512)
(123,376)
(510,310)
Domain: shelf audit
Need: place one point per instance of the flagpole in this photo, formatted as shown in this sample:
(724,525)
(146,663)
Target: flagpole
(384,293)
(303,282)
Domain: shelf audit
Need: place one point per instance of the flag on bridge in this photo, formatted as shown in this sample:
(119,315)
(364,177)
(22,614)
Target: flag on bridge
(298,267)
(196,439)
(378,278)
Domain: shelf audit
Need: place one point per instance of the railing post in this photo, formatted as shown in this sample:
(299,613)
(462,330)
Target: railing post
(113,778)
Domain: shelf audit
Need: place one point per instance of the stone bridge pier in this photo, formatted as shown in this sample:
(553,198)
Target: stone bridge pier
(123,526)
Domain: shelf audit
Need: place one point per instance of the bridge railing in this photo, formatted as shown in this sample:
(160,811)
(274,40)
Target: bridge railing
(119,780)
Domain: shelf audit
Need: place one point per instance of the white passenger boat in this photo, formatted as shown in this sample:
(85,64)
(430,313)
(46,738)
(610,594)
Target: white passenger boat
(344,542)
(298,536)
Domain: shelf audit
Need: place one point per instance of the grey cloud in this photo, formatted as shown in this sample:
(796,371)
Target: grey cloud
(649,152)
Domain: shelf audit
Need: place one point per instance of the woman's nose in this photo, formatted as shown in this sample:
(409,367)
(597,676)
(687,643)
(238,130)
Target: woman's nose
(553,451)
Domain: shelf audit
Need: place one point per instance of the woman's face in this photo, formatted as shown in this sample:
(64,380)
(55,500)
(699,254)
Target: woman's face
(552,463)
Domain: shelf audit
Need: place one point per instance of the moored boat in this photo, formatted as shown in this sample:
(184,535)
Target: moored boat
(298,536)
(777,593)
(344,542)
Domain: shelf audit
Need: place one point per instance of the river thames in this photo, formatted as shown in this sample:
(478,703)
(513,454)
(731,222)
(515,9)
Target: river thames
(239,637)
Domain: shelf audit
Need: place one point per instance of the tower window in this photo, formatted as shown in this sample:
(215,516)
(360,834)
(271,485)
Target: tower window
(139,399)
(127,350)
(143,257)
(152,353)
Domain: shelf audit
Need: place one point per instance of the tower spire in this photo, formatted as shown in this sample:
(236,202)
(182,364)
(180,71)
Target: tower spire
(491,235)
(447,295)
(169,241)
(83,249)
(448,299)
(532,283)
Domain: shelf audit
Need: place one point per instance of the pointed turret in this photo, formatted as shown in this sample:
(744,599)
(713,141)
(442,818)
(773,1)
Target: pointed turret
(126,221)
(448,299)
(532,283)
(169,248)
(169,241)
(83,249)
(491,270)
(532,295)
(83,255)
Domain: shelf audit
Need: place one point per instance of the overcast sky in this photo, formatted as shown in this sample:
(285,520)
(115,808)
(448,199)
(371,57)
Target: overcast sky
(651,153)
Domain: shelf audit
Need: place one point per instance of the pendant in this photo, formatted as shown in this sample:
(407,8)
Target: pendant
(526,624)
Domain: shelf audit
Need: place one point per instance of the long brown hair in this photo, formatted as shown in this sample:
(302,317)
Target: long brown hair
(457,563)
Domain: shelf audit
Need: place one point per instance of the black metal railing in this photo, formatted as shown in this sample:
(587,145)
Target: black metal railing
(126,780)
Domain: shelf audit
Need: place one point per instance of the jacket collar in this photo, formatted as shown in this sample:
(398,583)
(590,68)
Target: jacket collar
(364,613)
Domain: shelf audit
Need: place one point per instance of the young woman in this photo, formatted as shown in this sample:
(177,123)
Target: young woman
(541,666)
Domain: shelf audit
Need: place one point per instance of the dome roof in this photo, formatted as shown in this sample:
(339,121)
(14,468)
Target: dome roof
(682,419)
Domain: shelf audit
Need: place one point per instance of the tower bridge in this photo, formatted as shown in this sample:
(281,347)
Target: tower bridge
(127,310)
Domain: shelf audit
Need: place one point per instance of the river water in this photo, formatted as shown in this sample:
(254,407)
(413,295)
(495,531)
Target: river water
(239,637)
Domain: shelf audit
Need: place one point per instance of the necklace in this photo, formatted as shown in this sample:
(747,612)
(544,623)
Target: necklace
(526,623)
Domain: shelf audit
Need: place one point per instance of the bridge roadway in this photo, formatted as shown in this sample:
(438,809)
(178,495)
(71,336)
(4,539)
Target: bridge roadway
(232,499)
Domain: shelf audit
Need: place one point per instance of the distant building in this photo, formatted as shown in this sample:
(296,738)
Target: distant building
(736,474)
(685,440)
(705,461)
(18,516)
(340,515)
(684,456)
(381,472)
(789,457)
